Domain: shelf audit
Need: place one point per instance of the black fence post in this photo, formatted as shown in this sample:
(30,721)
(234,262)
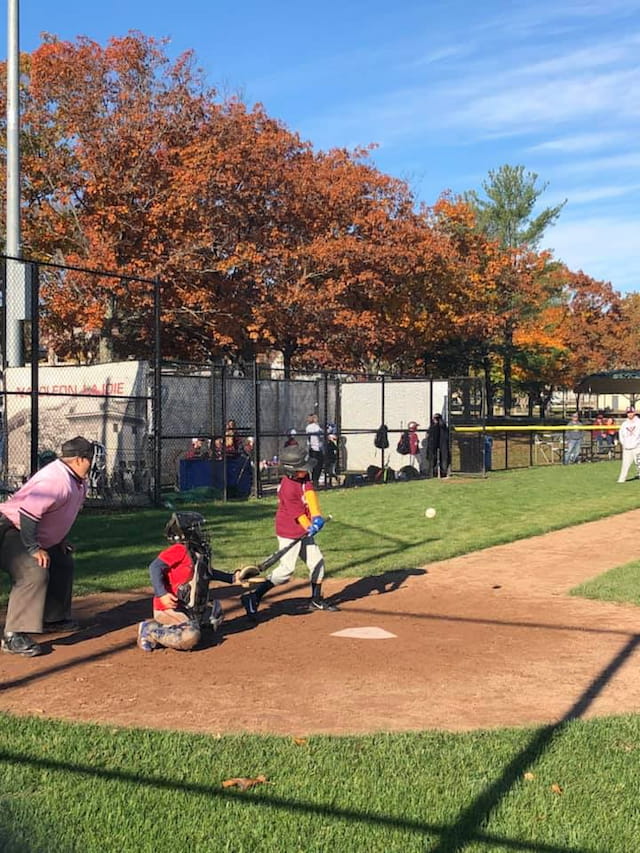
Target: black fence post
(157,394)
(223,387)
(382,402)
(34,312)
(255,484)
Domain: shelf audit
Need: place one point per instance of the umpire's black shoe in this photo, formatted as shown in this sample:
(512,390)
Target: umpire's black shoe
(60,626)
(322,604)
(250,603)
(17,643)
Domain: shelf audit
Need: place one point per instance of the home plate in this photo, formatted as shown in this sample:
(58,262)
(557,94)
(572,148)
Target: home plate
(365,634)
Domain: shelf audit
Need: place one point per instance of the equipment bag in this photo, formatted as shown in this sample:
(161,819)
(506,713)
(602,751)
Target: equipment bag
(374,474)
(381,441)
(403,444)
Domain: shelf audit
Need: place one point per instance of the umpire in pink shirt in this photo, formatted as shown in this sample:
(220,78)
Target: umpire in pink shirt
(33,527)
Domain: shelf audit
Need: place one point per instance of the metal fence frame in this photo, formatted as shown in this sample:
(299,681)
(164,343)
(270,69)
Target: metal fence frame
(265,402)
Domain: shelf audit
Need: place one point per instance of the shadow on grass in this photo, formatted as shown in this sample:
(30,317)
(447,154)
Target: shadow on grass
(290,806)
(466,827)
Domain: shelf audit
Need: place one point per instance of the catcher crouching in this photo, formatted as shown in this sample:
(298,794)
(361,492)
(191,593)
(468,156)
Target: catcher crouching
(183,604)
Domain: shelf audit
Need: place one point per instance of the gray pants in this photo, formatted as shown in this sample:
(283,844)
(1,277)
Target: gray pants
(37,595)
(308,551)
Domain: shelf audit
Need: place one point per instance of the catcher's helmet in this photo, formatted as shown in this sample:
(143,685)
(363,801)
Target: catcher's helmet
(294,458)
(185,525)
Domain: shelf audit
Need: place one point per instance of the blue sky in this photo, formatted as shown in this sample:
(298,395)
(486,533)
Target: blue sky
(447,89)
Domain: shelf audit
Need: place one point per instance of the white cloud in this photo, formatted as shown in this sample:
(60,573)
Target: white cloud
(588,195)
(581,142)
(543,104)
(595,166)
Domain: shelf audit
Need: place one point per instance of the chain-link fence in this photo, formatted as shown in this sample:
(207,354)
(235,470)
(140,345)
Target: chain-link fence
(216,427)
(62,378)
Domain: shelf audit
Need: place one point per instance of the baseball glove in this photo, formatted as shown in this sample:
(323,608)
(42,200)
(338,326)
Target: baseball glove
(244,574)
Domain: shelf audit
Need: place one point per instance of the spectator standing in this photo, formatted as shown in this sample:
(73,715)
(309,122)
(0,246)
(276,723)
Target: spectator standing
(232,441)
(414,444)
(629,437)
(573,441)
(598,435)
(315,436)
(332,458)
(438,447)
(34,550)
(611,433)
(291,441)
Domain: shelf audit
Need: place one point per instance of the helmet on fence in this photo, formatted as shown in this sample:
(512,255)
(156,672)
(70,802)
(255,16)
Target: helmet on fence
(294,458)
(186,527)
(46,456)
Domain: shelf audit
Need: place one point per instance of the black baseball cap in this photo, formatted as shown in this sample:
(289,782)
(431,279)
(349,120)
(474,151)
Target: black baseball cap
(78,446)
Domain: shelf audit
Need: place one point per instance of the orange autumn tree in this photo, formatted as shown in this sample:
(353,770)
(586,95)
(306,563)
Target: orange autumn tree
(508,213)
(593,327)
(466,269)
(132,165)
(542,353)
(576,333)
(311,246)
(628,332)
(103,130)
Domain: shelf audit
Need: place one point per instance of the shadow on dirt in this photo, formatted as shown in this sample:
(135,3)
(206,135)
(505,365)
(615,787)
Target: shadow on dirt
(386,582)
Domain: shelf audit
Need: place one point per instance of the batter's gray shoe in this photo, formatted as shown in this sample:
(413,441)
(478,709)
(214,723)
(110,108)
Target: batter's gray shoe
(250,603)
(322,604)
(17,643)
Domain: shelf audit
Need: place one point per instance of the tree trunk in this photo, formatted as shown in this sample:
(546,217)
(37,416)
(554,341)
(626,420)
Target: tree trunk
(506,367)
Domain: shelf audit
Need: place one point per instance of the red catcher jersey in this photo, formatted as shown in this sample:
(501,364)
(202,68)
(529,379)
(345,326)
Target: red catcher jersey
(179,571)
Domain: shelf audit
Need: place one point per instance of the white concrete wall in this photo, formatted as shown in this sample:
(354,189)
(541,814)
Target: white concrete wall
(361,411)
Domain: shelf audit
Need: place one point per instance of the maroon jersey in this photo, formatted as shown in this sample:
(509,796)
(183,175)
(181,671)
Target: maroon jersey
(291,505)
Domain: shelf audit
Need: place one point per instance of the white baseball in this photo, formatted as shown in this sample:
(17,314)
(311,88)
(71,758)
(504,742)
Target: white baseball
(430,512)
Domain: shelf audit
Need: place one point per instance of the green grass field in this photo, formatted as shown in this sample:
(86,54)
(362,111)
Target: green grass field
(569,787)
(374,528)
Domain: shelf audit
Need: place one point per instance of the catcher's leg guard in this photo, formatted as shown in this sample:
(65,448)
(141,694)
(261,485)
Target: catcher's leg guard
(145,642)
(181,637)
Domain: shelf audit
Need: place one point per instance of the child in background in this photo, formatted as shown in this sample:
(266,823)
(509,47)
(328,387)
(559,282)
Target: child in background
(298,519)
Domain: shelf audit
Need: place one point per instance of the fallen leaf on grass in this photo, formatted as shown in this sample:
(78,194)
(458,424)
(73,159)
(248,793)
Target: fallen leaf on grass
(300,741)
(557,789)
(529,776)
(243,783)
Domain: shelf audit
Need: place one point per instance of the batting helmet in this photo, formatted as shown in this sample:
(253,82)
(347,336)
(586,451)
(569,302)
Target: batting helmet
(294,458)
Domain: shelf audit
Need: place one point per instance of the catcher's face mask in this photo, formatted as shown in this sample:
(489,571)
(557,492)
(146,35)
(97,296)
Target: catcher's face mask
(185,526)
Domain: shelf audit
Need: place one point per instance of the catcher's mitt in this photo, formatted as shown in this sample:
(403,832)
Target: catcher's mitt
(246,573)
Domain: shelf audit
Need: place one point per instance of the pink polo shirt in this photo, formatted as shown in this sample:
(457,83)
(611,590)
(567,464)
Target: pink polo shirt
(53,497)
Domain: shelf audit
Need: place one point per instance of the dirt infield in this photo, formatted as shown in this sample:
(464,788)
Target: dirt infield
(489,639)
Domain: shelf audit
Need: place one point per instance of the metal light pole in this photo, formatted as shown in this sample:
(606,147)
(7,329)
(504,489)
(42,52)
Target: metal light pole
(16,299)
